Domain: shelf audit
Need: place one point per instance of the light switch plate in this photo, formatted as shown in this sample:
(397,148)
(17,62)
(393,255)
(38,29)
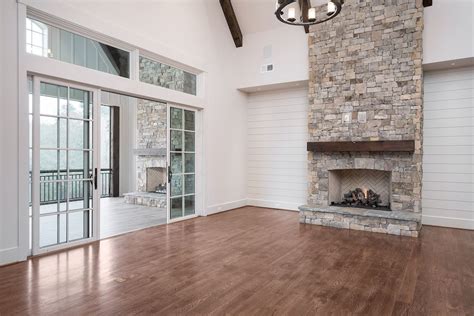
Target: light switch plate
(346,117)
(362,117)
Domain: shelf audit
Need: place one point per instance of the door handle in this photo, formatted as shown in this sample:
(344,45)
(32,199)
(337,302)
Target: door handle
(170,174)
(95,178)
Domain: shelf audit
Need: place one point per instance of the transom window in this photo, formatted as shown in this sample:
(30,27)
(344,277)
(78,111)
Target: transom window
(167,76)
(36,38)
(49,41)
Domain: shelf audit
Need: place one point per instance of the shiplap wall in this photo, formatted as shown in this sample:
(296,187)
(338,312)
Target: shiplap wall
(277,127)
(448,146)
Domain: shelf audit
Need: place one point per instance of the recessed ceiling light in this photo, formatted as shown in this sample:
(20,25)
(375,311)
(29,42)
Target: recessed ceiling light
(452,64)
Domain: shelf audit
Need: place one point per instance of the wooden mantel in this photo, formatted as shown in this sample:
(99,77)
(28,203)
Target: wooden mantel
(363,146)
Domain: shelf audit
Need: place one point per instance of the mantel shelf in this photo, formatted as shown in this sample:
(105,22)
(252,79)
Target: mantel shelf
(363,146)
(150,152)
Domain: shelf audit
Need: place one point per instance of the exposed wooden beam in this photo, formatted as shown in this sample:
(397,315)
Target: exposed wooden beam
(304,5)
(427,3)
(363,146)
(232,22)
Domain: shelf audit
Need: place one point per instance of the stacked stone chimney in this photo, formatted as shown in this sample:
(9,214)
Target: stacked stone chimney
(365,84)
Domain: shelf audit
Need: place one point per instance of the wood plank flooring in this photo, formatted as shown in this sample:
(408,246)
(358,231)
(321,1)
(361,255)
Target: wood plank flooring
(249,261)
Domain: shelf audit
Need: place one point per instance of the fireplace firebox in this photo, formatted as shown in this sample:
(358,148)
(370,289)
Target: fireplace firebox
(362,188)
(156,179)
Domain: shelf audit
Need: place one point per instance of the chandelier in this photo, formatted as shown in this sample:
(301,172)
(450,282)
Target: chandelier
(303,13)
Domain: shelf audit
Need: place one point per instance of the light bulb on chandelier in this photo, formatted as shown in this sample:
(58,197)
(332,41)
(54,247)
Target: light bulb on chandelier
(286,11)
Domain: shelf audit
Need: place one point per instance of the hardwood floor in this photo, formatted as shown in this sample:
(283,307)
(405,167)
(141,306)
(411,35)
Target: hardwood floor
(249,261)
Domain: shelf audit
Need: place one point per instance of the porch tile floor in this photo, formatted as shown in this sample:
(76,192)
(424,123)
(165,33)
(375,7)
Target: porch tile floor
(117,217)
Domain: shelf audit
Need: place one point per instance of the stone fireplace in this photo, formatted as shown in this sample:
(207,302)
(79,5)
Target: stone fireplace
(151,165)
(365,117)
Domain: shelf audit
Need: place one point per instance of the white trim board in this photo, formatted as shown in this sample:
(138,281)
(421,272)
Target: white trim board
(64,71)
(10,255)
(218,208)
(274,204)
(450,222)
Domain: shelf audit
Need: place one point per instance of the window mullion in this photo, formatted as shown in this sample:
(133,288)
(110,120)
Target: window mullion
(135,65)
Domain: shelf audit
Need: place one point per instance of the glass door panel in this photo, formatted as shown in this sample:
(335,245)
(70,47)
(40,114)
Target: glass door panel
(63,166)
(182,163)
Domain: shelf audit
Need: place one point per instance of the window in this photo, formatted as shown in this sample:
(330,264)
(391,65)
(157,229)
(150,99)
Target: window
(166,76)
(36,38)
(182,161)
(49,41)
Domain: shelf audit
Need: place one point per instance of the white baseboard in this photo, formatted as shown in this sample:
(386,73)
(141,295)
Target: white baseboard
(452,222)
(9,255)
(274,204)
(217,208)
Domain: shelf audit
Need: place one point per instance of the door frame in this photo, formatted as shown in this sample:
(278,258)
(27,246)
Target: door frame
(199,180)
(95,234)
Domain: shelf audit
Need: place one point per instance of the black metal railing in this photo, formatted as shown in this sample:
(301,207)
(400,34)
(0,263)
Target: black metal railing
(106,182)
(51,190)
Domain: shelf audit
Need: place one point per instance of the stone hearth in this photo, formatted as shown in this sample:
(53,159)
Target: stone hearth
(395,223)
(146,199)
(365,84)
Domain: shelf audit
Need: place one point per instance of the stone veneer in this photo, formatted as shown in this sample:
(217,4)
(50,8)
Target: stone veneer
(394,223)
(146,199)
(151,133)
(166,76)
(365,84)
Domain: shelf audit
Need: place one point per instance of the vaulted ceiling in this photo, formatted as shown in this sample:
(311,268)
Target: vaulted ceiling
(256,16)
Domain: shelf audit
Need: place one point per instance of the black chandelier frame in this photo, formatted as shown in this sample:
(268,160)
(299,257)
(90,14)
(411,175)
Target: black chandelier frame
(282,4)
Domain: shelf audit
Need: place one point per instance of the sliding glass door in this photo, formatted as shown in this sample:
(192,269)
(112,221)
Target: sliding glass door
(182,173)
(64,173)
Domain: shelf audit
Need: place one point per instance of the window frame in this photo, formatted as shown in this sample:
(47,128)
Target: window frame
(134,54)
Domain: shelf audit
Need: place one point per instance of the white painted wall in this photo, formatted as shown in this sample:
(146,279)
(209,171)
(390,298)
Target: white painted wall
(449,31)
(448,146)
(289,56)
(277,131)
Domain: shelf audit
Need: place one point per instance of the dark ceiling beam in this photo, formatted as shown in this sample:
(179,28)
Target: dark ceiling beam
(304,5)
(232,22)
(427,3)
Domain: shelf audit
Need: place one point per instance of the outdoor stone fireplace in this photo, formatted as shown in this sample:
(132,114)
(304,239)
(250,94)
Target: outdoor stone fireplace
(365,117)
(150,154)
